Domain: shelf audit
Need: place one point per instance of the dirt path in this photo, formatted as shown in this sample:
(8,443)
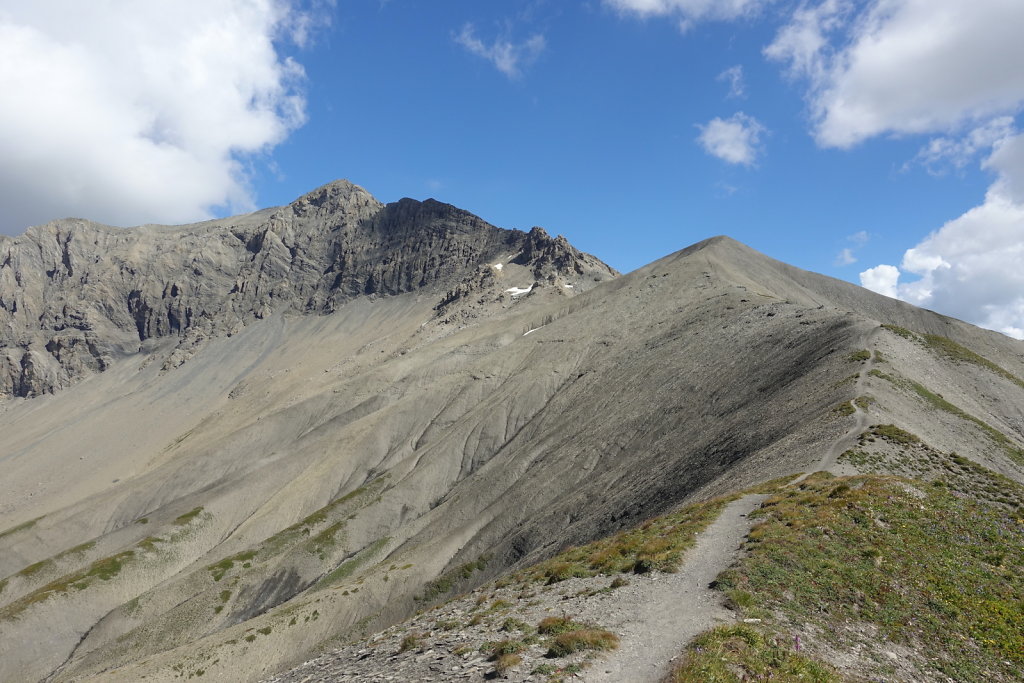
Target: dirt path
(849,438)
(655,625)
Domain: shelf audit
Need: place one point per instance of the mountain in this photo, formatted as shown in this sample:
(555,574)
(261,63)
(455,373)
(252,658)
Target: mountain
(311,421)
(76,295)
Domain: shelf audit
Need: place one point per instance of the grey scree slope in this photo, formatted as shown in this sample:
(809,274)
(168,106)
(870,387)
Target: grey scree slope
(223,430)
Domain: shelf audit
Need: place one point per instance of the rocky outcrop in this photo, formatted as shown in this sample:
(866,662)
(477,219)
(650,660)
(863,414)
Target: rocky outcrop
(76,295)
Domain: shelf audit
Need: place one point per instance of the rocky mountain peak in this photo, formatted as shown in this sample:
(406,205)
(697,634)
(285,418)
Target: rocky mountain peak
(76,295)
(338,197)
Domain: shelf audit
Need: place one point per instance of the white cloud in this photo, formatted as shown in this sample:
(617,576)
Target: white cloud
(847,255)
(1007,160)
(736,140)
(129,112)
(734,77)
(806,41)
(859,238)
(946,67)
(905,66)
(882,279)
(971,267)
(689,11)
(946,152)
(508,57)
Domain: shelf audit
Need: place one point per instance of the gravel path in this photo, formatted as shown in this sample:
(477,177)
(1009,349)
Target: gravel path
(849,439)
(655,625)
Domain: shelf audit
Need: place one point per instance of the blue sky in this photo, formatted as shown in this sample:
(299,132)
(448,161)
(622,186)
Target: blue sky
(874,140)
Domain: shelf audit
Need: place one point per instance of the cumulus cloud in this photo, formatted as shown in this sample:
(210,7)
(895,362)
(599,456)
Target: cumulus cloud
(805,43)
(508,57)
(1007,159)
(128,112)
(882,279)
(904,66)
(734,77)
(689,11)
(970,268)
(736,140)
(944,68)
(956,152)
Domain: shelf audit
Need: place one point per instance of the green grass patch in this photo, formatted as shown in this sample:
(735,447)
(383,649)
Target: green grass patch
(103,569)
(937,402)
(410,642)
(961,354)
(34,568)
(78,549)
(894,434)
(149,543)
(902,332)
(565,644)
(350,566)
(958,353)
(444,584)
(740,652)
(859,356)
(936,572)
(513,624)
(844,409)
(326,539)
(182,520)
(504,663)
(945,470)
(503,647)
(337,510)
(21,527)
(109,567)
(863,402)
(657,544)
(552,626)
(219,569)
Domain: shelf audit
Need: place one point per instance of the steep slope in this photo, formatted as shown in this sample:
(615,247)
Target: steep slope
(310,476)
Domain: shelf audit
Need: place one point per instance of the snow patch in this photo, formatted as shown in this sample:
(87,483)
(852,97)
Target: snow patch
(568,286)
(528,331)
(519,291)
(498,266)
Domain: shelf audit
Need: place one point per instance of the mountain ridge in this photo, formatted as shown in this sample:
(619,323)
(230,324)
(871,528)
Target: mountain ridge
(301,462)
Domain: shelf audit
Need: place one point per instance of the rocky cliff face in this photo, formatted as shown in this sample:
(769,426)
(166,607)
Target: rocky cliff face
(76,295)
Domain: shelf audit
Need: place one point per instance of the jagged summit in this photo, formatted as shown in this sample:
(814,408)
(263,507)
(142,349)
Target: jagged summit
(76,295)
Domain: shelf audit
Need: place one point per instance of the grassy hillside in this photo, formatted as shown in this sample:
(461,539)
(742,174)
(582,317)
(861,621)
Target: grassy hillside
(884,576)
